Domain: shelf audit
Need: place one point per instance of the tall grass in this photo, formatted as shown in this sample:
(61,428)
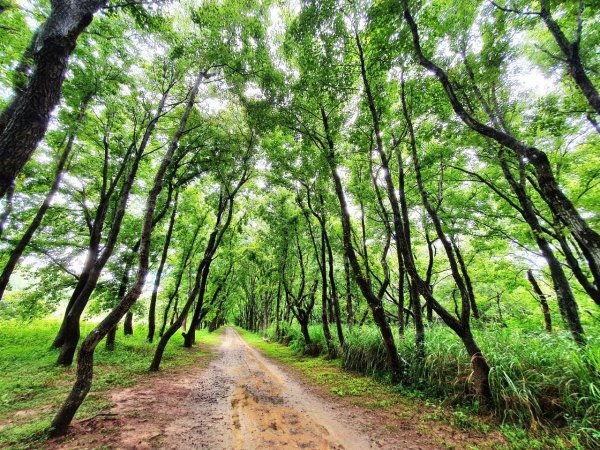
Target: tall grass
(536,377)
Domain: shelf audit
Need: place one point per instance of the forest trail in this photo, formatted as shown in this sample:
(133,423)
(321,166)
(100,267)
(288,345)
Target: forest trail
(244,401)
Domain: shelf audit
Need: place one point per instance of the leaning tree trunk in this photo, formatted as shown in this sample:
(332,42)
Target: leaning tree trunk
(304,330)
(68,335)
(349,308)
(17,252)
(70,328)
(161,265)
(199,286)
(213,244)
(320,257)
(85,359)
(334,293)
(418,317)
(570,51)
(111,337)
(467,278)
(175,294)
(7,208)
(549,188)
(566,300)
(178,322)
(481,369)
(542,299)
(24,121)
(190,336)
(401,230)
(374,303)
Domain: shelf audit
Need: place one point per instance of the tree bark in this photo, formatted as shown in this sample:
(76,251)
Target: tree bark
(177,323)
(182,269)
(334,293)
(400,236)
(111,338)
(461,326)
(216,237)
(566,300)
(128,324)
(8,207)
(320,257)
(24,121)
(71,331)
(570,51)
(68,335)
(465,273)
(542,299)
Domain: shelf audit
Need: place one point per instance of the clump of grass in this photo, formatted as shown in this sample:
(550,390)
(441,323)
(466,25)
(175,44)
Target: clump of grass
(364,351)
(539,378)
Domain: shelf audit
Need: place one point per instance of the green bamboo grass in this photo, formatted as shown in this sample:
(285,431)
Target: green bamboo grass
(538,379)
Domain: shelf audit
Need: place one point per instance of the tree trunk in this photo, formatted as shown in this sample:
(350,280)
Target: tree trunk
(334,294)
(85,360)
(542,299)
(462,325)
(324,302)
(177,323)
(175,294)
(111,338)
(467,278)
(277,307)
(566,300)
(570,51)
(349,309)
(403,246)
(161,265)
(71,331)
(7,208)
(17,252)
(305,333)
(374,303)
(97,260)
(24,121)
(418,317)
(481,369)
(190,335)
(549,188)
(128,324)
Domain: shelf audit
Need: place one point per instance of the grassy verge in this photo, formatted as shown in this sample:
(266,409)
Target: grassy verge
(375,392)
(32,387)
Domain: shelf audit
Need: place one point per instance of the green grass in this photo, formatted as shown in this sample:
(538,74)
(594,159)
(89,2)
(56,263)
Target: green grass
(32,385)
(543,385)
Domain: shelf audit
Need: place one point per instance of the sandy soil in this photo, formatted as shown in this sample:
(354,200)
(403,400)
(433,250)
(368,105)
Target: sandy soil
(242,400)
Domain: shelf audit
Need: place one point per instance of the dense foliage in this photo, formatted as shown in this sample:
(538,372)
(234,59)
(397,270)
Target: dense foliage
(410,186)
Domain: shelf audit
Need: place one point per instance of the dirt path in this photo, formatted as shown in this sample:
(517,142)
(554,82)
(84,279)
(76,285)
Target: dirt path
(244,401)
(241,400)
